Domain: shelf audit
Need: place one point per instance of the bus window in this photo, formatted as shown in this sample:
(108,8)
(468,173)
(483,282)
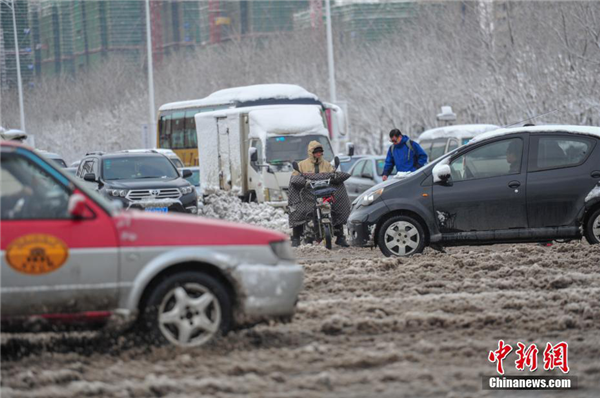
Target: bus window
(452,145)
(164,128)
(426,145)
(177,130)
(437,149)
(191,139)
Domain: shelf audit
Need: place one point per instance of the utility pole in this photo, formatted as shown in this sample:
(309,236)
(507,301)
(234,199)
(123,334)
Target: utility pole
(151,128)
(332,94)
(17,56)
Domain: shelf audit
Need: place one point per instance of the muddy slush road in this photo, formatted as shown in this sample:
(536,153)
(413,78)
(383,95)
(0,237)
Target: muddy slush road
(366,326)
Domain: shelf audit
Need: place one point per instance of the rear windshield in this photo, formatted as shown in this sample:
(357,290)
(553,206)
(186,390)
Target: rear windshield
(135,167)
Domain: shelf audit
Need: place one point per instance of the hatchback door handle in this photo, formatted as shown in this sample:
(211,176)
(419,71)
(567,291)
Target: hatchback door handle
(514,184)
(595,174)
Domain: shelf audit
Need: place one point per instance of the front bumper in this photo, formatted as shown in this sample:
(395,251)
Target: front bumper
(185,204)
(267,291)
(362,223)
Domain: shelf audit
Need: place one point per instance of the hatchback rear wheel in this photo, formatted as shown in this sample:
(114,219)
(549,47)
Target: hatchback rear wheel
(401,236)
(188,309)
(592,228)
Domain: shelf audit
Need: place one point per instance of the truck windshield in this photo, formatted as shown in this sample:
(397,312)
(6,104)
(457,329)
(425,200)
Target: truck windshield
(286,148)
(134,167)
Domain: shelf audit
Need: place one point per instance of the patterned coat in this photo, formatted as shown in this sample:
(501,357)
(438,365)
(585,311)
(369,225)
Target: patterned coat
(301,201)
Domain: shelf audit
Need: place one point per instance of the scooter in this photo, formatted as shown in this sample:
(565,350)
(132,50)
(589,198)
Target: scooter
(320,226)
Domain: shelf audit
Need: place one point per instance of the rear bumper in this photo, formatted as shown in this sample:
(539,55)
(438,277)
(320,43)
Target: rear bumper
(267,291)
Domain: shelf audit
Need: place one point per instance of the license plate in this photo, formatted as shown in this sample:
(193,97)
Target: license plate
(157,209)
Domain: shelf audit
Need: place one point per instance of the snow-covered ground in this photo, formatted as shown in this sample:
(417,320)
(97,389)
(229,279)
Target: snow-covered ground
(366,326)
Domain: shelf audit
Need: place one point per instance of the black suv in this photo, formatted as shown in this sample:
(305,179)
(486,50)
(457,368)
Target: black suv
(527,184)
(147,181)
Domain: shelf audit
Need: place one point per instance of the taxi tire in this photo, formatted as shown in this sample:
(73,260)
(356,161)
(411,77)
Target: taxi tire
(149,319)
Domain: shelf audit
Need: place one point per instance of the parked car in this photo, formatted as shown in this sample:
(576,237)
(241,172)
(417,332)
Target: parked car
(439,141)
(527,184)
(365,174)
(71,170)
(140,180)
(75,163)
(69,256)
(172,156)
(346,162)
(55,157)
(194,179)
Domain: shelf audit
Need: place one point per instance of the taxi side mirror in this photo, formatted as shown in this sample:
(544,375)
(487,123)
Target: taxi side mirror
(78,208)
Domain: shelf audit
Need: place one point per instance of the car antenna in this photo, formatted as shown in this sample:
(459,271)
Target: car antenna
(531,118)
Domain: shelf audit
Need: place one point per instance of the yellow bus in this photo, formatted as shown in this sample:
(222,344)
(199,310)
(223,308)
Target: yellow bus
(176,127)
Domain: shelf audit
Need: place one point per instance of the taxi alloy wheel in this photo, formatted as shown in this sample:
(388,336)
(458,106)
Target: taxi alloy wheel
(189,309)
(592,230)
(401,236)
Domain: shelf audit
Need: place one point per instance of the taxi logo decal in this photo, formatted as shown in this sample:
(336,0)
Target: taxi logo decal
(36,254)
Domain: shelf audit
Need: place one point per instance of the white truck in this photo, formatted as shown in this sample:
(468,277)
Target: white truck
(249,150)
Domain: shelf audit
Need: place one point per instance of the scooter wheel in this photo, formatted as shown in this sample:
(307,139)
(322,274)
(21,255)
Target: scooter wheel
(327,229)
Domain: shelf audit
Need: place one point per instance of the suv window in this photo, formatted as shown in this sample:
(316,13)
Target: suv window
(29,192)
(357,170)
(492,160)
(87,166)
(555,152)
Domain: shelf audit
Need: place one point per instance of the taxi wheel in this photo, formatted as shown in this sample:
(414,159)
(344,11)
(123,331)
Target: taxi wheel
(592,228)
(188,309)
(401,236)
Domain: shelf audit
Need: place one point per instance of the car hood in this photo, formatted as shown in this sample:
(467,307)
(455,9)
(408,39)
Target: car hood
(138,228)
(147,183)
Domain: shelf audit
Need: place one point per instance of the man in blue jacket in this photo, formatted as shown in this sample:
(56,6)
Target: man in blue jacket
(404,153)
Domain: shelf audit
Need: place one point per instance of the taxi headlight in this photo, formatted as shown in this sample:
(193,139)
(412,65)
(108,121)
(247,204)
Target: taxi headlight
(371,197)
(283,250)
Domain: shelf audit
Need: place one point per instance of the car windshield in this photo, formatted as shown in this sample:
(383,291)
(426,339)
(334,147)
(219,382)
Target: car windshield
(195,178)
(294,148)
(136,167)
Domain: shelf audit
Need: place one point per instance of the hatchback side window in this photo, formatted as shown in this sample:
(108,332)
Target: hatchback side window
(491,160)
(357,171)
(555,152)
(29,193)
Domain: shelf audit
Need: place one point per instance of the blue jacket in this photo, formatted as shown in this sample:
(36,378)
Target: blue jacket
(404,158)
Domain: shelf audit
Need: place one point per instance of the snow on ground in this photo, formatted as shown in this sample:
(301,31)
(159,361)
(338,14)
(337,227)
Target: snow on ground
(226,206)
(366,326)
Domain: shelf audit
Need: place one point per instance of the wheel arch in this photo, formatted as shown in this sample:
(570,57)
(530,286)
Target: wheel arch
(191,266)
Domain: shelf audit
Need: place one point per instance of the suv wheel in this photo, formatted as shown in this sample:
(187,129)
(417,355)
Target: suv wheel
(592,228)
(401,236)
(187,309)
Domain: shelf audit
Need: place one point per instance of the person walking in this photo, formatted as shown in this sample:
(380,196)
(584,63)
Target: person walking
(404,153)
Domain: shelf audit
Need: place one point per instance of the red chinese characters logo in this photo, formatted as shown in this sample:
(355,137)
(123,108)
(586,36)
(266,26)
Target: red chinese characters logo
(499,355)
(555,356)
(527,357)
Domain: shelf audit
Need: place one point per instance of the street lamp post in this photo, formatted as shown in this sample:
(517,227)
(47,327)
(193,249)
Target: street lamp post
(17,55)
(332,93)
(151,129)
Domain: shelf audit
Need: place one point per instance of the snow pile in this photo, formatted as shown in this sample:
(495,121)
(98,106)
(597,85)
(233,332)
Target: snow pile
(227,206)
(290,119)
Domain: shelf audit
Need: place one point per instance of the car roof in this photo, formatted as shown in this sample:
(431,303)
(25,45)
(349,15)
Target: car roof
(127,154)
(557,128)
(457,131)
